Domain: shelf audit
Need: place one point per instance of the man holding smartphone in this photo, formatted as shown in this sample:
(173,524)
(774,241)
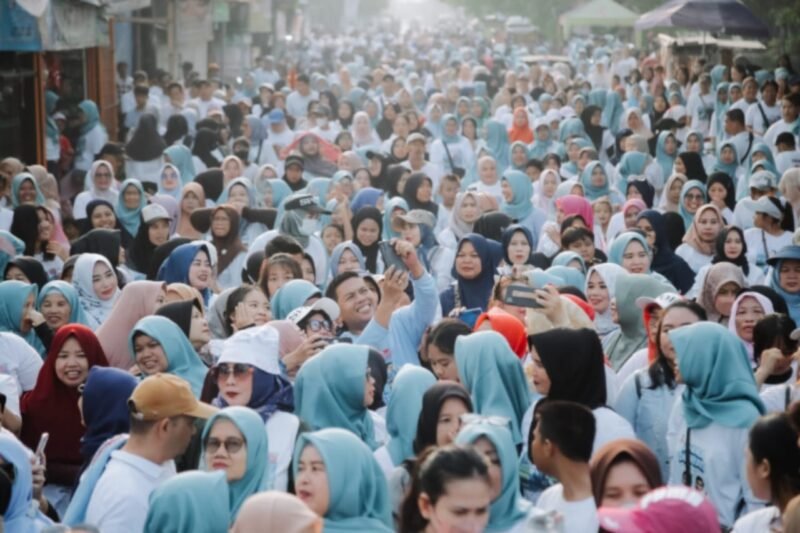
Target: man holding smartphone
(390,326)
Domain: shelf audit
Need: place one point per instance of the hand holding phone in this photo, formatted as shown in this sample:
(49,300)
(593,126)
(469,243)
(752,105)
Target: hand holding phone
(521,296)
(390,257)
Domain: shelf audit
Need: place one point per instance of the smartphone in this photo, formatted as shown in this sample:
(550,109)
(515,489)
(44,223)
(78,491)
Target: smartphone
(41,446)
(390,257)
(470,316)
(521,296)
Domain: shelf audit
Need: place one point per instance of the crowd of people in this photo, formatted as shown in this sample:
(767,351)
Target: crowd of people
(409,282)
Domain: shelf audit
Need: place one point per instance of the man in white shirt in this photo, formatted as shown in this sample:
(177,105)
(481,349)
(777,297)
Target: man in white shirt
(742,139)
(323,125)
(762,183)
(416,159)
(298,100)
(788,155)
(790,109)
(561,448)
(206,100)
(163,411)
(766,112)
(266,73)
(749,95)
(174,105)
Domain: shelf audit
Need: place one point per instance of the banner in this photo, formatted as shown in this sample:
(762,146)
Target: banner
(19,31)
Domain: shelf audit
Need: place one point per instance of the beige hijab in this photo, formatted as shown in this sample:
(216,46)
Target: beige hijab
(185,228)
(273,507)
(138,300)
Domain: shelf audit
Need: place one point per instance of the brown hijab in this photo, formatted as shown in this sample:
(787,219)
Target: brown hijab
(229,246)
(185,228)
(274,507)
(692,237)
(618,451)
(718,275)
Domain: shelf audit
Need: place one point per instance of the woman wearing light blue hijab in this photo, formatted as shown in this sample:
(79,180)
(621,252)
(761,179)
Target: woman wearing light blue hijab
(691,188)
(566,258)
(16,184)
(492,374)
(631,164)
(402,416)
(68,293)
(292,295)
(332,391)
(356,497)
(248,231)
(572,127)
(713,416)
(497,144)
(180,156)
(14,299)
(612,111)
(665,159)
(509,510)
(22,514)
(597,97)
(721,105)
(256,475)
(129,211)
(760,158)
(543,142)
(175,354)
(191,501)
(338,258)
(596,183)
(517,193)
(319,187)
(520,149)
(391,206)
(572,276)
(169,181)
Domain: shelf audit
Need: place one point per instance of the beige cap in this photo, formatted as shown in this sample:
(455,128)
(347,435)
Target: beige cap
(165,395)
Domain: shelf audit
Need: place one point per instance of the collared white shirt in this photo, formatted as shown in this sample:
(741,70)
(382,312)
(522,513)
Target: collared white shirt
(121,497)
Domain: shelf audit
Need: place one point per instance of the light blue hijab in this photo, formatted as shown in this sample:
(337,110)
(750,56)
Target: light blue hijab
(571,276)
(665,161)
(359,497)
(402,413)
(257,475)
(180,156)
(567,257)
(13,295)
(17,182)
(291,296)
(593,192)
(520,206)
(176,192)
(191,501)
(130,218)
(621,242)
(792,299)
(688,217)
(336,256)
(10,247)
(632,164)
(76,314)
(612,111)
(509,508)
(720,387)
(319,187)
(498,144)
(329,391)
(22,514)
(390,205)
(182,360)
(492,374)
(450,139)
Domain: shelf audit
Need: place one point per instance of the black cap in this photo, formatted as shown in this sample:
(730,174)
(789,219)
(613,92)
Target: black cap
(375,153)
(294,160)
(304,201)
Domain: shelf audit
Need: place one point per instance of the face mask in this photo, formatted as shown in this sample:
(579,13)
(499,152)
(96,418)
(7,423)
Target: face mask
(309,226)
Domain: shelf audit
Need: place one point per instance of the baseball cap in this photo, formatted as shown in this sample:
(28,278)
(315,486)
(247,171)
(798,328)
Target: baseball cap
(166,395)
(294,159)
(276,116)
(414,137)
(663,510)
(787,252)
(325,305)
(762,180)
(415,216)
(662,300)
(764,205)
(154,212)
(304,201)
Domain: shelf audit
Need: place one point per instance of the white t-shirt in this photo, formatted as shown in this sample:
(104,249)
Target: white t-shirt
(760,521)
(756,240)
(786,160)
(695,259)
(774,398)
(754,119)
(19,360)
(579,517)
(635,362)
(430,169)
(610,426)
(121,497)
(775,130)
(282,428)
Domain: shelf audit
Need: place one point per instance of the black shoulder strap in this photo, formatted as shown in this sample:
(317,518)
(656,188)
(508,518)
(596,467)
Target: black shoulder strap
(638,385)
(749,146)
(763,116)
(687,473)
(788,399)
(449,157)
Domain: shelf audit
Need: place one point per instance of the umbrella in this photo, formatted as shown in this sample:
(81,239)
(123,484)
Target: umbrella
(729,17)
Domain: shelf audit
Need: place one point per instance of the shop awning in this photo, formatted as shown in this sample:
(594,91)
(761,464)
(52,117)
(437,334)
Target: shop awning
(598,13)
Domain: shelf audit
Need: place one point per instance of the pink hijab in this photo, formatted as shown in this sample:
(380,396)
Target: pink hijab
(572,204)
(138,300)
(765,304)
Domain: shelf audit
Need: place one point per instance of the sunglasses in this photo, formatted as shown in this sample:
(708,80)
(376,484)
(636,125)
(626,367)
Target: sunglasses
(231,444)
(694,197)
(317,324)
(239,370)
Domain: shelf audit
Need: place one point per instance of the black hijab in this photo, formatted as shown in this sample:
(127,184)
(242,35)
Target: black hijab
(432,402)
(719,249)
(141,249)
(160,255)
(212,181)
(665,261)
(106,242)
(726,181)
(177,129)
(90,207)
(389,178)
(619,138)
(370,252)
(595,133)
(345,123)
(146,144)
(384,128)
(235,119)
(694,166)
(574,361)
(413,184)
(206,142)
(675,228)
(377,369)
(32,269)
(180,313)
(491,225)
(25,225)
(645,189)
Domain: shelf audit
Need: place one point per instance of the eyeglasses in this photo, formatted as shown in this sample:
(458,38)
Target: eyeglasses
(231,444)
(239,370)
(317,324)
(473,418)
